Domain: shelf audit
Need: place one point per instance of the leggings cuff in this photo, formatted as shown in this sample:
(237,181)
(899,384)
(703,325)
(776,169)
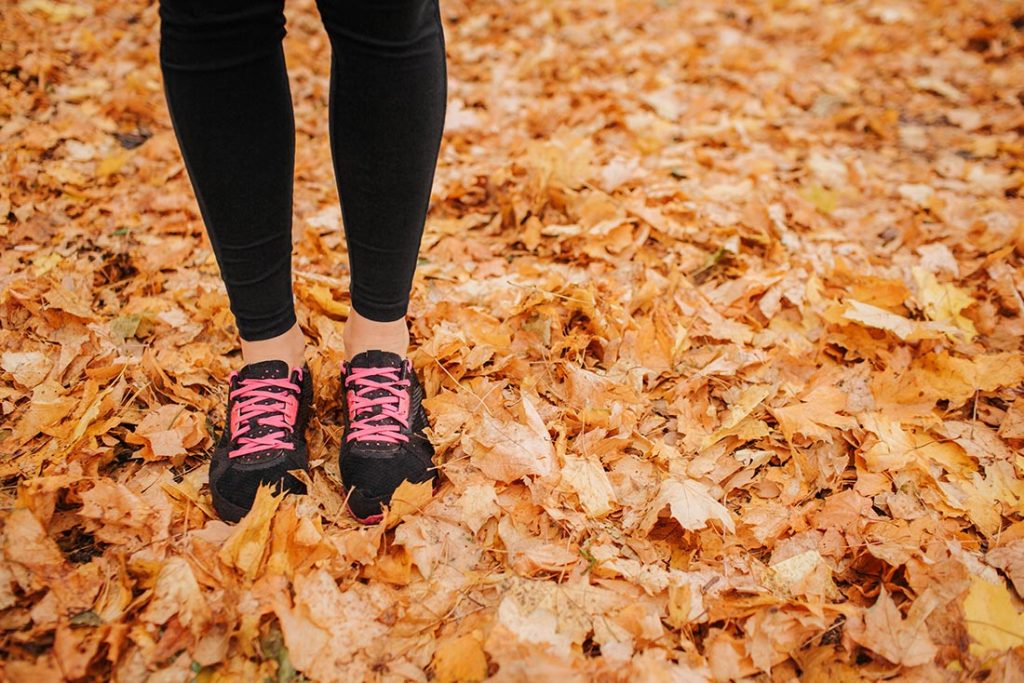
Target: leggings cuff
(377,312)
(266,329)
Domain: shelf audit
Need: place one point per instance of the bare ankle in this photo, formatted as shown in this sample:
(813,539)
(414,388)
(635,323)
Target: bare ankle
(362,334)
(289,347)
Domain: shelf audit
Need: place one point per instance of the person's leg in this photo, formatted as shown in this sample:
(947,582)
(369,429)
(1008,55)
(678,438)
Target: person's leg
(388,92)
(227,92)
(388,95)
(228,96)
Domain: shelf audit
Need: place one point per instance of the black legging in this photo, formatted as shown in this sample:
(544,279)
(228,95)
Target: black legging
(227,91)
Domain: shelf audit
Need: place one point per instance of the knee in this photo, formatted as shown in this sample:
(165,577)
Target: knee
(381,25)
(205,35)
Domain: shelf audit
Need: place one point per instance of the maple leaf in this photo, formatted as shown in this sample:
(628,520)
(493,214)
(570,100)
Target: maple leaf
(819,408)
(1010,558)
(882,629)
(507,451)
(246,548)
(944,303)
(479,503)
(116,514)
(589,481)
(408,499)
(689,503)
(904,328)
(993,622)
(177,593)
(461,659)
(28,368)
(167,432)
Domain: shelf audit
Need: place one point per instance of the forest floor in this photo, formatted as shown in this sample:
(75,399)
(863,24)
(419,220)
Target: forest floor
(719,313)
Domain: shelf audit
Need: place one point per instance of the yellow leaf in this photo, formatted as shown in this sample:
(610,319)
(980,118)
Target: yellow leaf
(45,263)
(407,499)
(324,299)
(908,330)
(943,302)
(992,622)
(247,546)
(822,199)
(459,660)
(748,400)
(112,164)
(944,377)
(90,414)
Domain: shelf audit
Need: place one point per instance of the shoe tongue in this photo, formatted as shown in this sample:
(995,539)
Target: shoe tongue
(267,369)
(377,359)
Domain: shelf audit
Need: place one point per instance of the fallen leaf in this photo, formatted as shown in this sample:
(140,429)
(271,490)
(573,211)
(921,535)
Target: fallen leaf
(882,629)
(459,660)
(689,503)
(993,622)
(507,451)
(177,593)
(479,503)
(589,481)
(28,368)
(247,547)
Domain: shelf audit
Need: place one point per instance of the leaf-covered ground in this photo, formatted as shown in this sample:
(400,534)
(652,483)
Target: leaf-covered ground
(720,315)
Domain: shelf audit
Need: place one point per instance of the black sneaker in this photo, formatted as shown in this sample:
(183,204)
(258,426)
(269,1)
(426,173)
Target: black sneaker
(264,438)
(383,443)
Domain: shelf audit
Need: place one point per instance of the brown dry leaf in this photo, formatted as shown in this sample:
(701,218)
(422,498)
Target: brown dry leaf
(28,368)
(943,377)
(818,409)
(177,593)
(690,503)
(1012,426)
(49,407)
(26,543)
(327,629)
(804,574)
(905,329)
(168,433)
(479,503)
(115,514)
(588,479)
(297,541)
(1010,558)
(507,451)
(528,554)
(882,629)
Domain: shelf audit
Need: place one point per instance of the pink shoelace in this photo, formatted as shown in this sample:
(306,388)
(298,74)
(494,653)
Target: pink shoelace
(385,425)
(280,415)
